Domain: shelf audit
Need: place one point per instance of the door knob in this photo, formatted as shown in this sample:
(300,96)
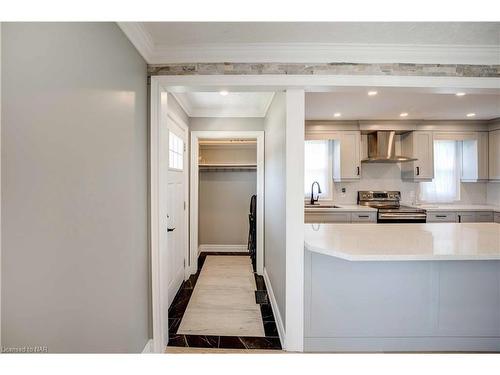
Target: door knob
(170,229)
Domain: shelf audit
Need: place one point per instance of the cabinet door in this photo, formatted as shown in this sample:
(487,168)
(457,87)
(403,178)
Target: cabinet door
(423,148)
(482,155)
(497,217)
(347,156)
(484,217)
(466,217)
(494,151)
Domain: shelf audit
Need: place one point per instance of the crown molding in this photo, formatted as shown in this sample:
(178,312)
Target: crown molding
(140,38)
(308,52)
(329,52)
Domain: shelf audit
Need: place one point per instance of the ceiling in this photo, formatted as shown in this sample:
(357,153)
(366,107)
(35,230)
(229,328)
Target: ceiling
(316,42)
(188,33)
(352,103)
(234,104)
(388,104)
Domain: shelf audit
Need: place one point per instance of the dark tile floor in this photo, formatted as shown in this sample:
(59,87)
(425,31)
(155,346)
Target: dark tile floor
(181,300)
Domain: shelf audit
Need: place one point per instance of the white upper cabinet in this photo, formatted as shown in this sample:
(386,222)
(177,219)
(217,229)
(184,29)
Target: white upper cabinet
(475,158)
(347,156)
(494,153)
(418,145)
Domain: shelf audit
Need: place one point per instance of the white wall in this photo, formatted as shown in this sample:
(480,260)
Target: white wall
(75,270)
(388,177)
(275,199)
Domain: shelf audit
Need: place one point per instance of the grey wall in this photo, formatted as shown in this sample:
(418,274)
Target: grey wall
(74,188)
(224,202)
(226,123)
(275,188)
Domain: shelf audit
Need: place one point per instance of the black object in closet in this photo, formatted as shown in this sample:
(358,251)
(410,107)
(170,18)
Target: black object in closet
(252,232)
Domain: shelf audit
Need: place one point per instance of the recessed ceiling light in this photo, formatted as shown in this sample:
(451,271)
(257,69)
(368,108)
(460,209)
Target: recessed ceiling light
(471,114)
(460,94)
(224,92)
(404,114)
(372,93)
(337,114)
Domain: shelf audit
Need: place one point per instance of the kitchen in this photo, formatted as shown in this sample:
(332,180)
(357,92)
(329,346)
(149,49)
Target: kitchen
(402,242)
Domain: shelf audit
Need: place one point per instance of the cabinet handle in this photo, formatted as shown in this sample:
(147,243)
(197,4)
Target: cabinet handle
(418,171)
(440,215)
(358,170)
(363,216)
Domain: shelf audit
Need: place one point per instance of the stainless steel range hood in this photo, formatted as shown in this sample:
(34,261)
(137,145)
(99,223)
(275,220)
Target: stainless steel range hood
(381,148)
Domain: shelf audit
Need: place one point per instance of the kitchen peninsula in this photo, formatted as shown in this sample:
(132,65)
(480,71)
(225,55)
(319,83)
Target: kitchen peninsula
(400,287)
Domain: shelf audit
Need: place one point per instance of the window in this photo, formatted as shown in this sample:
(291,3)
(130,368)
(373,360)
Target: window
(176,152)
(318,167)
(445,187)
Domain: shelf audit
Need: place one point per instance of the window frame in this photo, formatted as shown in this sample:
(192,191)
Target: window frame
(329,197)
(172,151)
(458,170)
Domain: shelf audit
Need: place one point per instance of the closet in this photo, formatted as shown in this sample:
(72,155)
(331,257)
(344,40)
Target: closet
(227,182)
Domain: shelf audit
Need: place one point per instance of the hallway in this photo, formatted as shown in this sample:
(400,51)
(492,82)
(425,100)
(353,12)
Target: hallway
(217,307)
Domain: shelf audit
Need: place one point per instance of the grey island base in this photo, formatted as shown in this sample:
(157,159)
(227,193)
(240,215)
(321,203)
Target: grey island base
(394,298)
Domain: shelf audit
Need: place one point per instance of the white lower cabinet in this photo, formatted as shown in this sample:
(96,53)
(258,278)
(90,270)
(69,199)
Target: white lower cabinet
(340,217)
(327,217)
(364,217)
(441,217)
(460,217)
(484,217)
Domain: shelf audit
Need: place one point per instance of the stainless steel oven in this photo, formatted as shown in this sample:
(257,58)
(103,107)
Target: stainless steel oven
(389,209)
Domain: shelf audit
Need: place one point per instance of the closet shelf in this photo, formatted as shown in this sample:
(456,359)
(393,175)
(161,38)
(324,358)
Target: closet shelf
(227,167)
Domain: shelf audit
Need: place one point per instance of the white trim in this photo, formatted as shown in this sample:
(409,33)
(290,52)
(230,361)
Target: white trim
(210,248)
(159,316)
(0,185)
(148,348)
(320,83)
(275,308)
(194,179)
(140,38)
(294,170)
(372,53)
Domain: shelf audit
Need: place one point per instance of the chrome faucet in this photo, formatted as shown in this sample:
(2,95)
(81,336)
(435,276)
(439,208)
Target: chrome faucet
(312,192)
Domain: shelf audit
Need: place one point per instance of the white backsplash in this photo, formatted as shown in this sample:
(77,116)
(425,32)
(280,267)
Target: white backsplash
(493,190)
(388,177)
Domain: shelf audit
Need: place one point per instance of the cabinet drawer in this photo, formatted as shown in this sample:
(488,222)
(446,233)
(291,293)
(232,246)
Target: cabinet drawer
(484,217)
(441,217)
(364,217)
(327,217)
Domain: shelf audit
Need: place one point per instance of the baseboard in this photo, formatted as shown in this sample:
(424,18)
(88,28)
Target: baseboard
(276,310)
(148,348)
(222,248)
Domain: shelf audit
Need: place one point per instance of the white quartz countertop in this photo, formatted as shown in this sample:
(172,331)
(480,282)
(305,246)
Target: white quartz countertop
(455,207)
(405,242)
(323,207)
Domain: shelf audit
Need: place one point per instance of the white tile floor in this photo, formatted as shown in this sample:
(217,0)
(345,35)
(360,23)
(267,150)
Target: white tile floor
(223,300)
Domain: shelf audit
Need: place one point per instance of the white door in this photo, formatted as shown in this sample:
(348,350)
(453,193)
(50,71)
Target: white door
(176,206)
